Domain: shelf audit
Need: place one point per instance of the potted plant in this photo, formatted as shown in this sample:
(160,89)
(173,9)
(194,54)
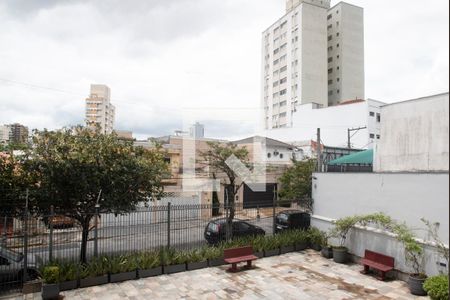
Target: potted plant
(68,275)
(287,242)
(258,245)
(414,255)
(272,246)
(196,259)
(301,240)
(317,238)
(149,264)
(214,256)
(94,272)
(327,251)
(122,268)
(50,288)
(437,287)
(174,261)
(340,230)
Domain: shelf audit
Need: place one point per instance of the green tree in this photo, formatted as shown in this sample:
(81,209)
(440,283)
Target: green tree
(72,167)
(216,157)
(296,183)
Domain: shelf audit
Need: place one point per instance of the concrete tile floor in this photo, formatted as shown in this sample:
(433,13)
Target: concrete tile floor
(297,275)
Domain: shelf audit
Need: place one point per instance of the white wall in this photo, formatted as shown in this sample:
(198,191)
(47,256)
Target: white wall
(333,121)
(414,136)
(404,196)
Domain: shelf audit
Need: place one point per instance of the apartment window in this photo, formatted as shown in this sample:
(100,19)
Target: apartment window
(283,114)
(371,113)
(283,46)
(378,117)
(283,24)
(378,136)
(275,73)
(275,95)
(338,79)
(330,82)
(337,11)
(283,80)
(276,51)
(337,67)
(275,105)
(330,37)
(371,135)
(283,69)
(330,59)
(269,155)
(337,91)
(275,40)
(283,92)
(282,58)
(330,93)
(275,83)
(283,103)
(330,48)
(337,23)
(337,56)
(330,70)
(275,62)
(329,26)
(337,34)
(337,45)
(329,17)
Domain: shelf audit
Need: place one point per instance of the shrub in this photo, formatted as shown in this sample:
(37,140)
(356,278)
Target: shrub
(68,271)
(437,287)
(213,252)
(196,255)
(50,274)
(148,260)
(97,266)
(121,264)
(317,236)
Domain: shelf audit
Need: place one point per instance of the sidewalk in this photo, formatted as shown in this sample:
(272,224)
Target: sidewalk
(298,275)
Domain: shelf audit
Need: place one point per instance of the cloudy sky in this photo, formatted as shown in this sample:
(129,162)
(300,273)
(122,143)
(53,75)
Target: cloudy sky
(168,62)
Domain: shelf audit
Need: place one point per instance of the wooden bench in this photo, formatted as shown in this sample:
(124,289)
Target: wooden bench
(234,256)
(378,261)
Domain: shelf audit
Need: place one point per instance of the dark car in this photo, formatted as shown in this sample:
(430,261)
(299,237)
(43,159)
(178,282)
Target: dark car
(11,265)
(215,230)
(292,219)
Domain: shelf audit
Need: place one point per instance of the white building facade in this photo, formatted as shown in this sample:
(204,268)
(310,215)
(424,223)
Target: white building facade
(99,110)
(296,59)
(334,123)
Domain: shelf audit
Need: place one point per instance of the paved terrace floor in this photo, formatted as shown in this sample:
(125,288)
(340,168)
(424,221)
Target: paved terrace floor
(297,275)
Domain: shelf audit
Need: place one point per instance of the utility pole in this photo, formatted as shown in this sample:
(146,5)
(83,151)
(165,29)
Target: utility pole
(349,145)
(319,152)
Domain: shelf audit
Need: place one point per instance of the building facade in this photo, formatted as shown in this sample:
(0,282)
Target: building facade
(305,60)
(13,133)
(99,109)
(361,117)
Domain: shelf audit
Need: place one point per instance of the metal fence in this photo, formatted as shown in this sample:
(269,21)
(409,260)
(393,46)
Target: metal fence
(31,240)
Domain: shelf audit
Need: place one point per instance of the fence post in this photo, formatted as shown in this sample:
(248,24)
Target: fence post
(5,233)
(227,207)
(274,203)
(25,241)
(97,211)
(168,225)
(50,235)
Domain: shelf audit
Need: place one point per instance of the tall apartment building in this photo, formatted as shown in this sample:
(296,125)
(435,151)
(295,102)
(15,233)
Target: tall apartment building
(13,133)
(99,110)
(305,60)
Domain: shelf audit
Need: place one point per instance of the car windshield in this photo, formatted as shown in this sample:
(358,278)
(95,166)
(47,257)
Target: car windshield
(10,255)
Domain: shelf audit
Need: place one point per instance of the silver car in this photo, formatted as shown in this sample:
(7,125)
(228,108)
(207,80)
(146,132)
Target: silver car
(12,266)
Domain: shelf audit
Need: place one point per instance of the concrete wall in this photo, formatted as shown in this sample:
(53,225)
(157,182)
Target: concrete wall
(414,136)
(403,196)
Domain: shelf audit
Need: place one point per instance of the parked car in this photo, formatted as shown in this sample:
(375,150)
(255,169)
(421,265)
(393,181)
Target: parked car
(215,230)
(292,219)
(11,265)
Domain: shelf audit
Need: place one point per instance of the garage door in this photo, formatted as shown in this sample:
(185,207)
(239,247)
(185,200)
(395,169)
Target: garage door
(262,199)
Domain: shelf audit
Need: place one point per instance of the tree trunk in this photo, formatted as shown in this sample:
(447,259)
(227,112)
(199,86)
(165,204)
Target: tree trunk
(84,239)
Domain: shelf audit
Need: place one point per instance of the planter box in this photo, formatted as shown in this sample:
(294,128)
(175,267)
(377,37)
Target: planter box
(31,287)
(272,252)
(197,265)
(50,291)
(216,262)
(93,281)
(316,247)
(122,276)
(287,249)
(150,272)
(259,254)
(301,246)
(174,268)
(68,285)
(327,252)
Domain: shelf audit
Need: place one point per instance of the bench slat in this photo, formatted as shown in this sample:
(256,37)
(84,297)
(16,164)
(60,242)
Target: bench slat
(240,259)
(376,265)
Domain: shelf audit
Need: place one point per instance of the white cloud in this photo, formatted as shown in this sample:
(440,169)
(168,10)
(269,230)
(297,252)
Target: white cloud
(159,57)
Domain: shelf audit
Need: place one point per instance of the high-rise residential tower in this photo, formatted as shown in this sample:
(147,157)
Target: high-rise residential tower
(99,110)
(305,60)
